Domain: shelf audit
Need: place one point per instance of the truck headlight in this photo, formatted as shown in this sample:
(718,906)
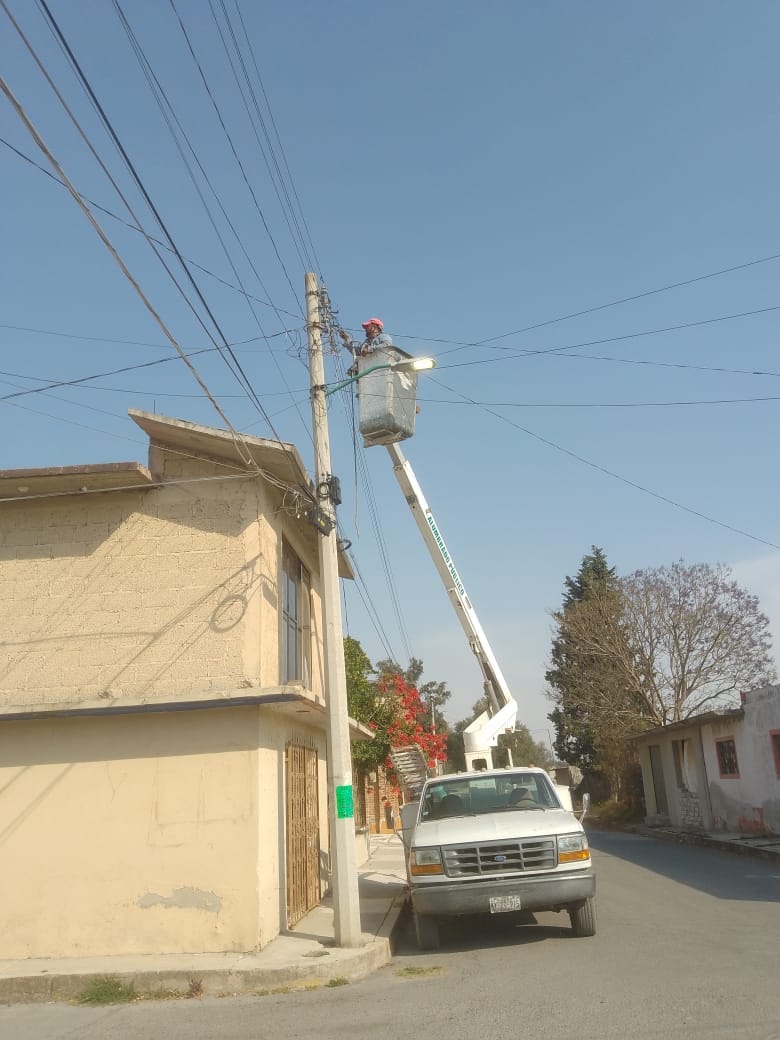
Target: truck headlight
(573,848)
(425,861)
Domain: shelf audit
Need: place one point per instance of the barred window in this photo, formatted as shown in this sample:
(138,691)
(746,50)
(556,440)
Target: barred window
(727,757)
(295,620)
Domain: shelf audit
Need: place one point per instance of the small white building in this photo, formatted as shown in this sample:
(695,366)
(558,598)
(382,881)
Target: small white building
(719,770)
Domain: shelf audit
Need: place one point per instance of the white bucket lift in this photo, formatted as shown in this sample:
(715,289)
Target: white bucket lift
(387,397)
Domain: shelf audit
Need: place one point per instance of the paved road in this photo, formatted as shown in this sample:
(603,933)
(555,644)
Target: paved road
(688,946)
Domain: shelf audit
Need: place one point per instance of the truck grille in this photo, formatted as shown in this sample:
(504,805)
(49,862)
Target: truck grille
(499,857)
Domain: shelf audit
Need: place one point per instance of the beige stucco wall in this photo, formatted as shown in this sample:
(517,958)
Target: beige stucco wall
(167,592)
(140,834)
(161,831)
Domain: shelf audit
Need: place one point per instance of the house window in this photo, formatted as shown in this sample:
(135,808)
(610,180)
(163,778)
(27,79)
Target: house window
(774,736)
(727,757)
(295,620)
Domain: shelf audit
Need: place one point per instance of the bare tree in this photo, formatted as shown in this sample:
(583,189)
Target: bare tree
(679,640)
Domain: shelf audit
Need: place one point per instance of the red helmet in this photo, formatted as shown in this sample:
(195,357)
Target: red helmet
(374,321)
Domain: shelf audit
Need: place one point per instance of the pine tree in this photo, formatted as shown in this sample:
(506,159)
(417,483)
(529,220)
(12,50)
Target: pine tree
(575,741)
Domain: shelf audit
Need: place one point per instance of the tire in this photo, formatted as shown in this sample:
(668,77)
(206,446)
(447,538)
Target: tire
(427,930)
(583,919)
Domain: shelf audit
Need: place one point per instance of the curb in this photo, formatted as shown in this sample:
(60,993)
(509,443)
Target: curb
(327,968)
(689,838)
(351,965)
(707,841)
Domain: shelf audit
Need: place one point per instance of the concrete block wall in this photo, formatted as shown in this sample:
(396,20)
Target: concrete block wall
(152,594)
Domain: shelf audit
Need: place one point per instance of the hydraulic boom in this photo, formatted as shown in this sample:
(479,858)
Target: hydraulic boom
(482,734)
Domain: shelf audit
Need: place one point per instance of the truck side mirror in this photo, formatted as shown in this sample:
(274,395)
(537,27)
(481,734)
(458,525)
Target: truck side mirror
(585,805)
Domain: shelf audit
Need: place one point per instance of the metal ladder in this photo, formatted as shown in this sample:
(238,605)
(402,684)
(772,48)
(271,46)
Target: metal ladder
(412,769)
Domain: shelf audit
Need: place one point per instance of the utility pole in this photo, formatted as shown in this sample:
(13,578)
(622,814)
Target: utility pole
(340,795)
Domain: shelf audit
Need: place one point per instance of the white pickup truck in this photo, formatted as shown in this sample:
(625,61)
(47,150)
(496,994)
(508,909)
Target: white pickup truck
(493,842)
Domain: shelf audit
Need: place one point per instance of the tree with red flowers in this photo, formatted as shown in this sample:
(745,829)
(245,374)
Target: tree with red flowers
(390,706)
(409,721)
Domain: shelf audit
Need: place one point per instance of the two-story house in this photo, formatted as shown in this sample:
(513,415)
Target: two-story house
(162,742)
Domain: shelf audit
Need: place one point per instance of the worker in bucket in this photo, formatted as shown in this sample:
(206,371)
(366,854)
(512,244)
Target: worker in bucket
(375,338)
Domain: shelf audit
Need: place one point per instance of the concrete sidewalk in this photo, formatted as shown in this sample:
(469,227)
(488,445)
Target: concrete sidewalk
(304,956)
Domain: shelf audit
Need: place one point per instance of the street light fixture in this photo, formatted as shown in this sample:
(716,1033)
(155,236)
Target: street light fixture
(415,364)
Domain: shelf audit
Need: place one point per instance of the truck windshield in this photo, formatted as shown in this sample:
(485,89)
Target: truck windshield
(473,795)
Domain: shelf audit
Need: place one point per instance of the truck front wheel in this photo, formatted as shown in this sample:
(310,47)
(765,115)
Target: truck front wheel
(583,919)
(427,931)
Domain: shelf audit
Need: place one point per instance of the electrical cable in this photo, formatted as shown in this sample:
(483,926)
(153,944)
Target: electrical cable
(82,78)
(144,299)
(161,96)
(278,138)
(611,473)
(85,209)
(631,299)
(235,367)
(607,404)
(672,364)
(269,156)
(157,241)
(232,146)
(615,339)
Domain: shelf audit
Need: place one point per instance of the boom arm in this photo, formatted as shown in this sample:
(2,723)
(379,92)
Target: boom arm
(483,732)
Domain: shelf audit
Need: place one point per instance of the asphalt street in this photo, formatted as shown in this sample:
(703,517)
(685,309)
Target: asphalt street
(688,945)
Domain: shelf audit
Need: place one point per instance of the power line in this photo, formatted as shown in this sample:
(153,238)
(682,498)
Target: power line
(276,132)
(233,364)
(599,404)
(269,157)
(671,364)
(615,339)
(232,145)
(169,335)
(82,205)
(611,473)
(631,299)
(157,241)
(161,96)
(136,342)
(236,366)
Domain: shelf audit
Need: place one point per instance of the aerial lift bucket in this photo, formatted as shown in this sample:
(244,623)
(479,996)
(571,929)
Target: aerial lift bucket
(387,397)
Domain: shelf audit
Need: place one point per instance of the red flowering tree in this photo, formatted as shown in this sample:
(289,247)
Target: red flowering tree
(392,708)
(409,720)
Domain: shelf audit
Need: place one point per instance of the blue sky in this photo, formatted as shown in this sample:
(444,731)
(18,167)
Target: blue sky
(473,175)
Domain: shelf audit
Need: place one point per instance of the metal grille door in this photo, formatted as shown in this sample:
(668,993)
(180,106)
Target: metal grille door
(303,832)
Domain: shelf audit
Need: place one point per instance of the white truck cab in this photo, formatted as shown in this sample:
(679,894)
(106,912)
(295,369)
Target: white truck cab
(492,842)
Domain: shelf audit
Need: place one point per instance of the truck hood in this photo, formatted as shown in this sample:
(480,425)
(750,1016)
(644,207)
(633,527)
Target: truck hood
(502,826)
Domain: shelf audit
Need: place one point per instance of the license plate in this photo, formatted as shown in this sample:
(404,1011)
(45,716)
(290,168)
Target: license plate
(504,904)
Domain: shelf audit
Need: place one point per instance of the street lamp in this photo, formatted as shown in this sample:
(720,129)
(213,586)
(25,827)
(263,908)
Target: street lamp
(415,364)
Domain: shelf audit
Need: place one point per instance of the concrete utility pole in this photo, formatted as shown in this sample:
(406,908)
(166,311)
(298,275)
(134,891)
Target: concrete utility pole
(340,796)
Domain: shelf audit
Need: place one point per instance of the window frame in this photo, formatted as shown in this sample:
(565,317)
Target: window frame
(718,744)
(294,620)
(774,736)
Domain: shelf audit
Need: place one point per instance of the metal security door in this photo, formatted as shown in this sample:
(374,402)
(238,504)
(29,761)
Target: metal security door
(303,832)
